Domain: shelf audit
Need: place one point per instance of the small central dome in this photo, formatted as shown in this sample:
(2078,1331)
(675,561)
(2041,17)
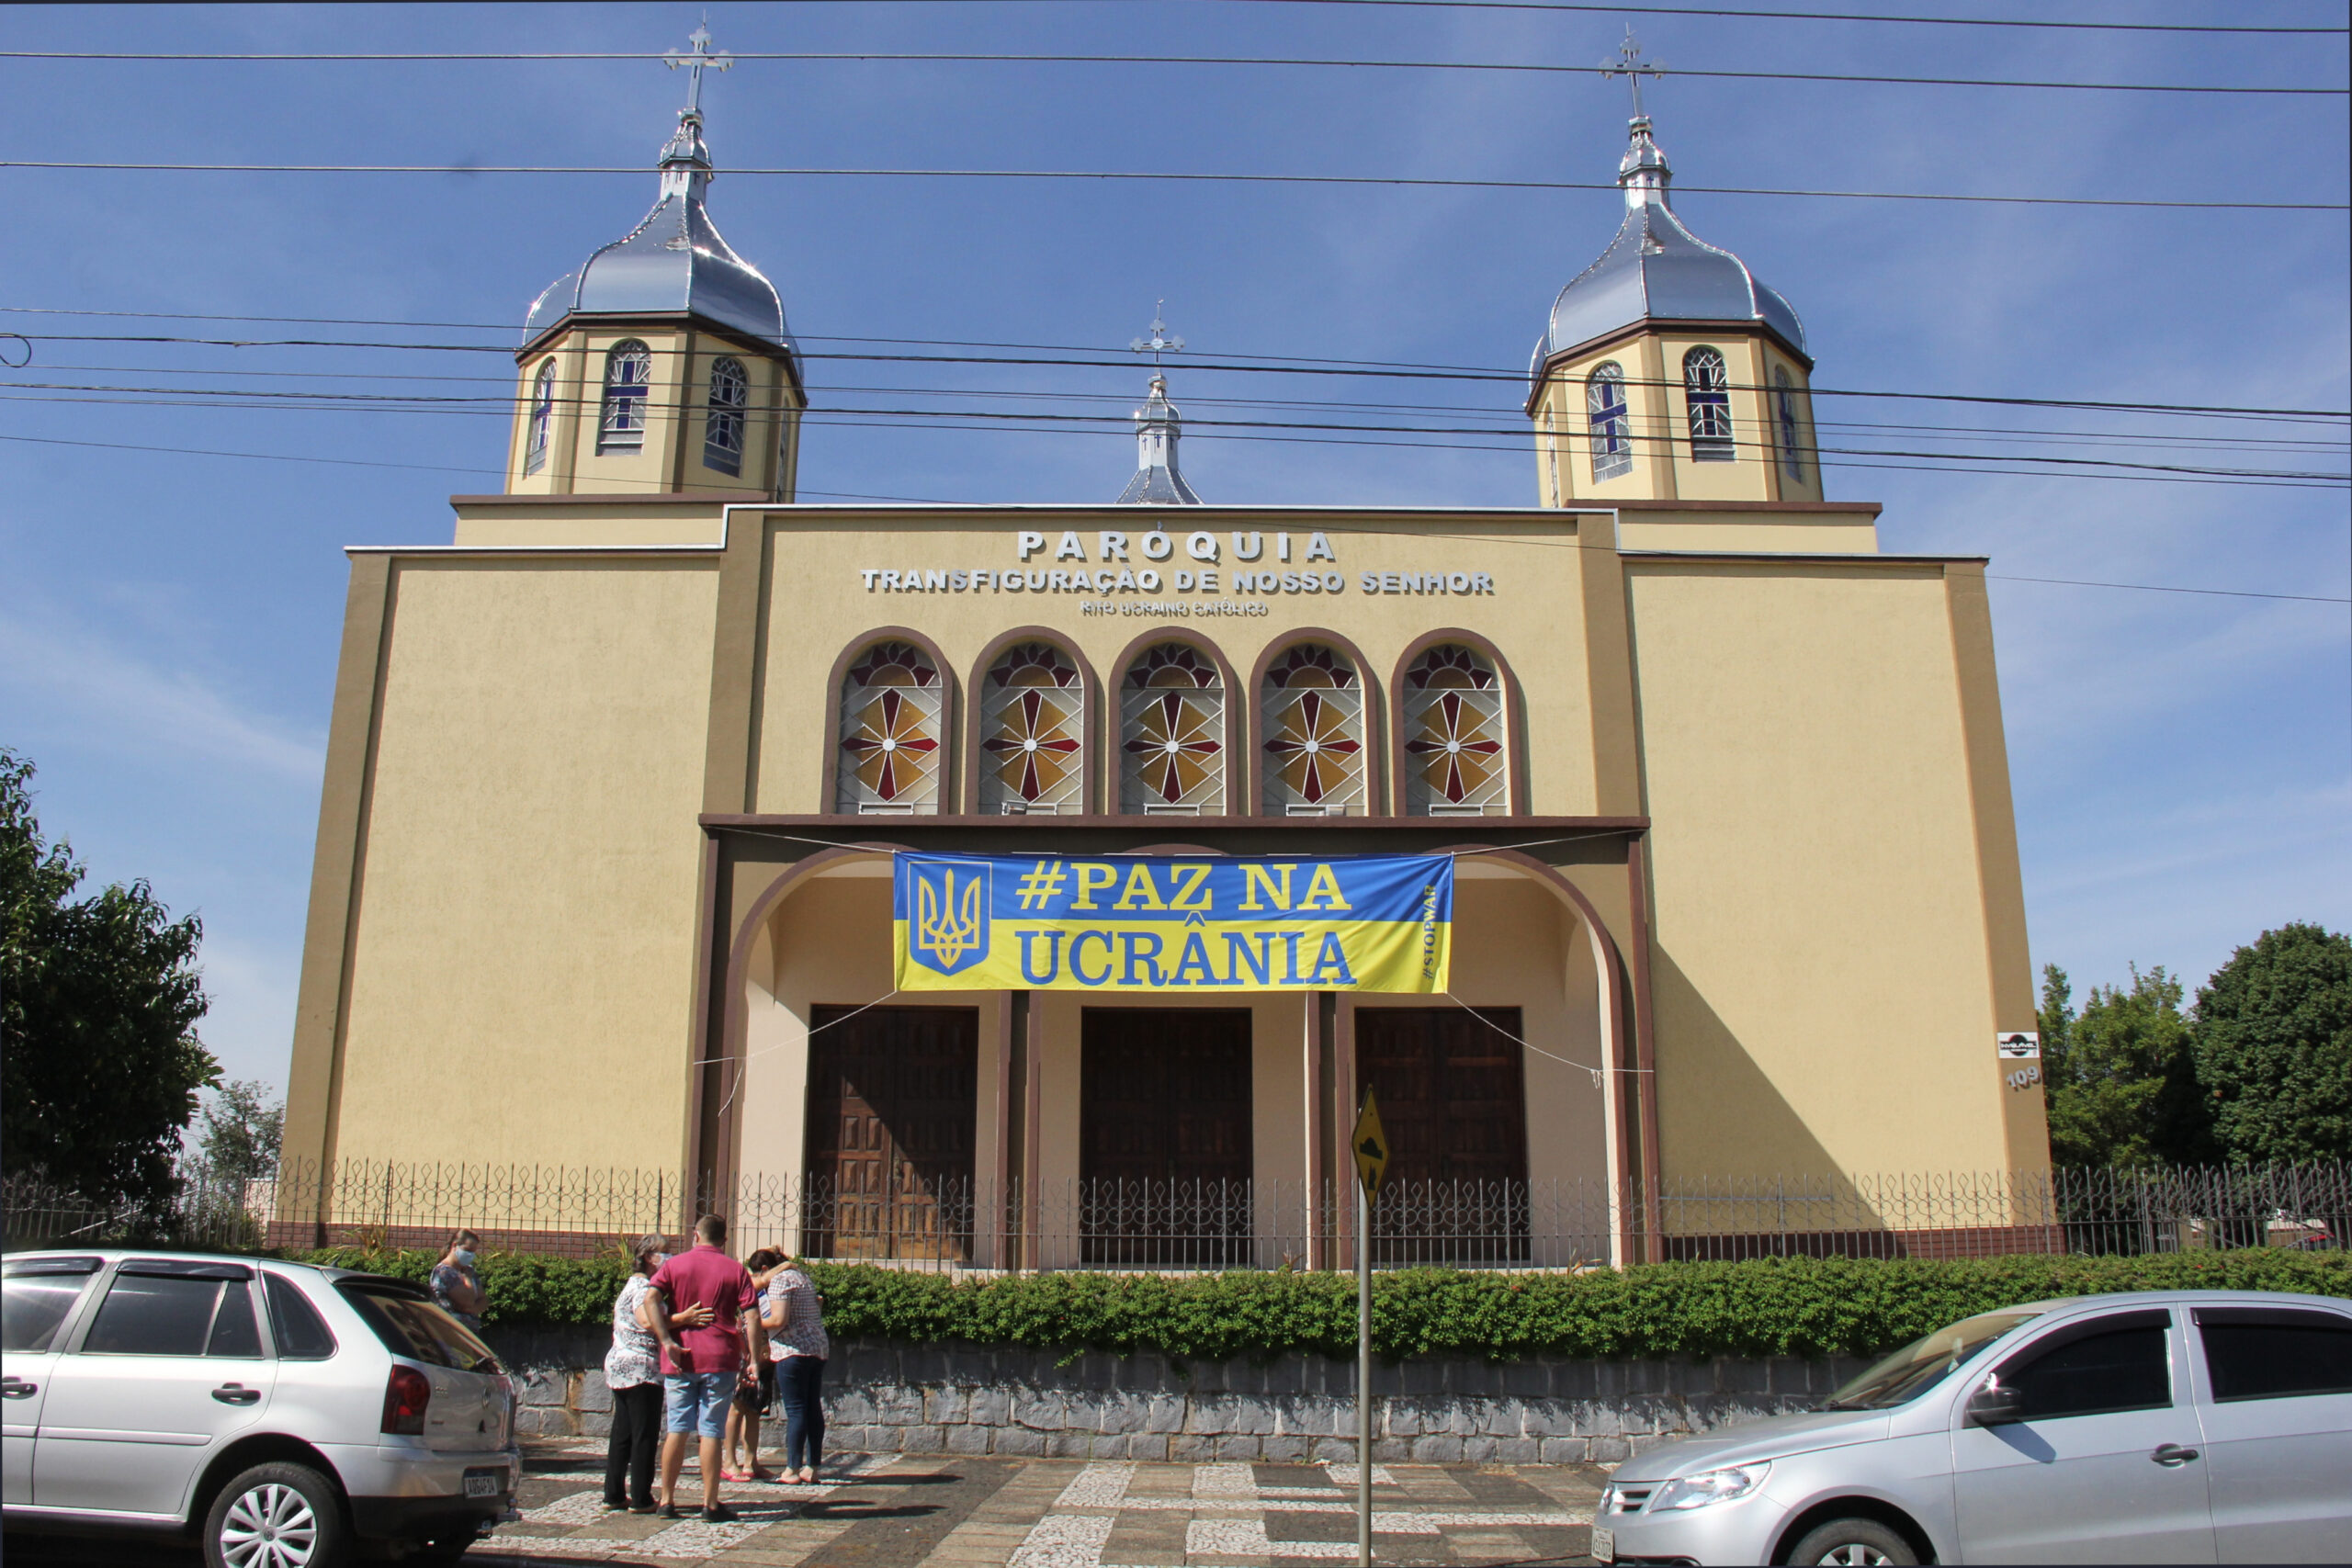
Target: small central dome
(674,261)
(1656,270)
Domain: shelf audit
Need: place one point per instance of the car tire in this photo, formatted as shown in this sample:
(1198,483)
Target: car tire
(277,1516)
(1844,1541)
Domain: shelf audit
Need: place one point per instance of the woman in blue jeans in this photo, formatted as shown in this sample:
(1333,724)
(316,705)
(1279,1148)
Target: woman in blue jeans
(794,1314)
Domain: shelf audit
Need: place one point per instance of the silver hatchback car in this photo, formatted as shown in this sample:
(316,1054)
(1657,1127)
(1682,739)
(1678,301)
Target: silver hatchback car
(286,1414)
(2171,1426)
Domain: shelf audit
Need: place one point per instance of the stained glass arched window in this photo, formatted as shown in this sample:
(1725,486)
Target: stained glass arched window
(1612,428)
(1171,734)
(535,453)
(1784,403)
(1313,703)
(892,740)
(1456,761)
(722,442)
(629,378)
(1706,388)
(1033,733)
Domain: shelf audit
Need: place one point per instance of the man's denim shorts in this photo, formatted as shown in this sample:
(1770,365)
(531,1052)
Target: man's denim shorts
(697,1402)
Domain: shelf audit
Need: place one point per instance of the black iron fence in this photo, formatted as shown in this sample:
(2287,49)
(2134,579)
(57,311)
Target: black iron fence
(958,1223)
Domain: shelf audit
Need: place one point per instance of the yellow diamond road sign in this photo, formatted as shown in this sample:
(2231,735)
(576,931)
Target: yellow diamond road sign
(1369,1144)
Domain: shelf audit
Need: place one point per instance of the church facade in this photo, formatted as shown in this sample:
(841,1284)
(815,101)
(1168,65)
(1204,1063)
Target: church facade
(603,878)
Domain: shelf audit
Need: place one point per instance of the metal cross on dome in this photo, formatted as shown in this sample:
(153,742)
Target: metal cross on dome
(1160,342)
(696,61)
(1630,64)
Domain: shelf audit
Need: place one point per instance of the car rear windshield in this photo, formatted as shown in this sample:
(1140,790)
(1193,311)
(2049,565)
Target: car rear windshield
(412,1326)
(1922,1364)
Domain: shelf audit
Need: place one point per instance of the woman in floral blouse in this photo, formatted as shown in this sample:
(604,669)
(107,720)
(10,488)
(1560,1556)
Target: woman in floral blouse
(633,1372)
(794,1314)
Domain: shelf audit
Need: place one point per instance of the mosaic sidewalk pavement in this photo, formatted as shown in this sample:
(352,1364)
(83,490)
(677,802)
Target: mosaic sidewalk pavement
(896,1511)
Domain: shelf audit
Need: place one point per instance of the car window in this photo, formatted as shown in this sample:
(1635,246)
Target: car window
(37,1297)
(419,1330)
(1925,1362)
(302,1334)
(2275,1352)
(176,1306)
(2110,1364)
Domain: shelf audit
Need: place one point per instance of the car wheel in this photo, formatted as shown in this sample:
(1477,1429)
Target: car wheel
(276,1516)
(1859,1541)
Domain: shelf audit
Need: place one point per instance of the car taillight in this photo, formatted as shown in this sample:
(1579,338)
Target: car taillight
(406,1393)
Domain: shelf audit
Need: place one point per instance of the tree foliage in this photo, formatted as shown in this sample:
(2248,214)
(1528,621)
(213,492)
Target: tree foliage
(241,1131)
(2121,1073)
(99,997)
(2274,1046)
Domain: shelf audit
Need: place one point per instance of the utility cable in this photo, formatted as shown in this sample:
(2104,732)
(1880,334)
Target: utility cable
(87,165)
(1815,16)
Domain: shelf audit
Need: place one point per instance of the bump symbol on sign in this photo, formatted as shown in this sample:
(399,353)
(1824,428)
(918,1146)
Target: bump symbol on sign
(1369,1144)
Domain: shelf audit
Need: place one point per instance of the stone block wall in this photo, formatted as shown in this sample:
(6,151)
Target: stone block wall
(967,1399)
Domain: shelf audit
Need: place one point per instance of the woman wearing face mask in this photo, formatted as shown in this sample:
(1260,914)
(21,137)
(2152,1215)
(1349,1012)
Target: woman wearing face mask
(456,1285)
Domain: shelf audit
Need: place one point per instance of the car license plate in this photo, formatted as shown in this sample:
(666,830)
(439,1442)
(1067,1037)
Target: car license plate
(1604,1545)
(485,1482)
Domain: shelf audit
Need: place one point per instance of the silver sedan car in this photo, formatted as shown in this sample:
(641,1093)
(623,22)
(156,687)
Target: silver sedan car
(289,1417)
(2167,1426)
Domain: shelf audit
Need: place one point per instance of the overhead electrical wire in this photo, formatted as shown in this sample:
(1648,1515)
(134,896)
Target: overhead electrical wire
(98,165)
(1816,17)
(944,56)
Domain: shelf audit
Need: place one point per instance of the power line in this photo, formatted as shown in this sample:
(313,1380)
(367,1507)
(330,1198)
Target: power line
(89,165)
(1819,16)
(963,58)
(2158,587)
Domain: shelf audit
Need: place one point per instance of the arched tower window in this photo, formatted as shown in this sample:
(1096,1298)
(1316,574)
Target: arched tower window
(731,390)
(1313,703)
(1457,762)
(1706,386)
(1033,733)
(1612,431)
(1784,406)
(534,451)
(629,378)
(890,735)
(1171,734)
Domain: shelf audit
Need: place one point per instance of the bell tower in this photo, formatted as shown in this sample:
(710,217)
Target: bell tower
(663,364)
(1668,371)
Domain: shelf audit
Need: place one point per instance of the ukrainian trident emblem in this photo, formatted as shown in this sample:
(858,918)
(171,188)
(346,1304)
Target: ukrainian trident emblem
(949,933)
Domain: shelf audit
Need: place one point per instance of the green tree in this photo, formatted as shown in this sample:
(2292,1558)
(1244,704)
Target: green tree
(241,1131)
(2274,1046)
(2121,1073)
(99,997)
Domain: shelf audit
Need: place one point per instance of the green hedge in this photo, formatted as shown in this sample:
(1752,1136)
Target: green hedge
(1809,1307)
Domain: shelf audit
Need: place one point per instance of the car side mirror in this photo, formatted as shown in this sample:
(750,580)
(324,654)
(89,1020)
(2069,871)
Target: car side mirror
(1994,1405)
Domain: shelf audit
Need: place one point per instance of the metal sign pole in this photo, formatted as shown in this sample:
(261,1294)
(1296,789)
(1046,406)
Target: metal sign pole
(1363,1375)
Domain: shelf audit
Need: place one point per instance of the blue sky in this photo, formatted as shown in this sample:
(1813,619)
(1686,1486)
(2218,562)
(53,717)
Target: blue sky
(169,623)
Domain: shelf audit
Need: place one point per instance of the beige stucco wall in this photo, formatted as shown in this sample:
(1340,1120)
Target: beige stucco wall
(1817,892)
(522,960)
(1658,414)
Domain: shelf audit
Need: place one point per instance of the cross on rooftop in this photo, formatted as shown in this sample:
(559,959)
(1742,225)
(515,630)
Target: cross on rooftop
(1160,342)
(1630,64)
(694,63)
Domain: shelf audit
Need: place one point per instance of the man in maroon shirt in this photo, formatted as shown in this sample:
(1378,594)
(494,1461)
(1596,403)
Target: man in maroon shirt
(701,1366)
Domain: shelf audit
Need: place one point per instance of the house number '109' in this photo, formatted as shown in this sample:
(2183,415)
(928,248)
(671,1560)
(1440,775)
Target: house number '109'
(2025,1077)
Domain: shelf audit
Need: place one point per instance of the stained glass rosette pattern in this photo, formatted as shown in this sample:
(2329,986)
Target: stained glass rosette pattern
(1032,716)
(1313,703)
(890,733)
(1171,733)
(1455,757)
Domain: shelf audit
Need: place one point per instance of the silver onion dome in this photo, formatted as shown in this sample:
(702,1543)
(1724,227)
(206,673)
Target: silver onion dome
(1656,270)
(1158,481)
(673,261)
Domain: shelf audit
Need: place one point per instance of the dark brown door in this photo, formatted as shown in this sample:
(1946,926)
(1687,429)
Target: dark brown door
(1164,1136)
(892,1105)
(1452,1098)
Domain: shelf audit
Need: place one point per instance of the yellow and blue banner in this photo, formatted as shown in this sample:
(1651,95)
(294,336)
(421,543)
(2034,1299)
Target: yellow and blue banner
(1170,925)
